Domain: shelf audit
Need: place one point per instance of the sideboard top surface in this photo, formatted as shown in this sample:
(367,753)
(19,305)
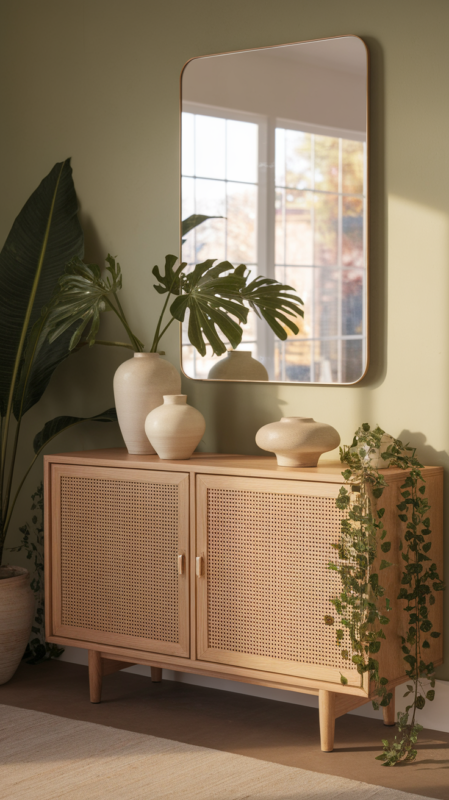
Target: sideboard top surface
(218,463)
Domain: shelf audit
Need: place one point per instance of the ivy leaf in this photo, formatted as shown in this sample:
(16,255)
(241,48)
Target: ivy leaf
(384,564)
(343,680)
(385,547)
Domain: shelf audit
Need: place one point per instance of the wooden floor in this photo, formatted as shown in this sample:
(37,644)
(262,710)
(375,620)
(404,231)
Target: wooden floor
(277,732)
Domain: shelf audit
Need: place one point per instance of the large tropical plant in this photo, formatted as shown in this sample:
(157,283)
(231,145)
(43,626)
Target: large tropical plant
(44,237)
(217,297)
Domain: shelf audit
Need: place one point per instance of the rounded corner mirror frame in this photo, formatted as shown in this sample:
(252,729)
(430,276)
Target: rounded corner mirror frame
(366,227)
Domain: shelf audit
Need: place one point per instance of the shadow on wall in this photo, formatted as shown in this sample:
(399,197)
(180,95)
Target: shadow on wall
(234,418)
(425,452)
(377,216)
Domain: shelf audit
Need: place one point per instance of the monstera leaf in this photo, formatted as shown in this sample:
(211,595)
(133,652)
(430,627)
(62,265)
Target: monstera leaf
(82,294)
(274,301)
(170,281)
(212,299)
(45,235)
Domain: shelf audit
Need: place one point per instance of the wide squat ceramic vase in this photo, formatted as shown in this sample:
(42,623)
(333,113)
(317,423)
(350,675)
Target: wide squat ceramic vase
(139,386)
(238,365)
(297,441)
(17,607)
(175,428)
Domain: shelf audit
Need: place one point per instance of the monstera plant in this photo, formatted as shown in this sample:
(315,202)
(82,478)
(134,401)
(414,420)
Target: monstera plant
(217,297)
(44,237)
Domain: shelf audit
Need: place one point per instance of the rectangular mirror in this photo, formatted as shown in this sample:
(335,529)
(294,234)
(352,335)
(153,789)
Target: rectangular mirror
(274,147)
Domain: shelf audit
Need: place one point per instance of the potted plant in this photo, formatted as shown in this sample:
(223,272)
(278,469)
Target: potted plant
(361,608)
(45,235)
(217,299)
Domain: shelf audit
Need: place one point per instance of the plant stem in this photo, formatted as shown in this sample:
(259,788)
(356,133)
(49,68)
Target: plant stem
(136,345)
(109,344)
(163,331)
(157,334)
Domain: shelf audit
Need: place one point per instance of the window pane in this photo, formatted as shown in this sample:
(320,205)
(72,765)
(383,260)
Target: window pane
(326,302)
(188,208)
(241,223)
(280,156)
(210,137)
(279,227)
(298,361)
(326,229)
(298,227)
(298,160)
(188,161)
(242,151)
(326,361)
(352,241)
(353,166)
(352,360)
(210,235)
(301,279)
(352,303)
(326,163)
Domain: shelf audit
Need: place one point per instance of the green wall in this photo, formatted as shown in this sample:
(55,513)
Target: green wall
(98,80)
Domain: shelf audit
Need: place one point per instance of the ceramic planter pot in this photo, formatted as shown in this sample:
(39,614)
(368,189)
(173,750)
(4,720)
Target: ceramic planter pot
(376,460)
(238,365)
(139,387)
(17,606)
(297,441)
(174,429)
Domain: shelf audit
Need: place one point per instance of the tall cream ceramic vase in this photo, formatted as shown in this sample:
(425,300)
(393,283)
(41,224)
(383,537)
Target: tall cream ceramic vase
(175,428)
(139,386)
(17,605)
(297,441)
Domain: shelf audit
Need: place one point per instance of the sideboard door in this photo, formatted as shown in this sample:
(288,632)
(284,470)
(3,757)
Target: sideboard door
(263,583)
(119,557)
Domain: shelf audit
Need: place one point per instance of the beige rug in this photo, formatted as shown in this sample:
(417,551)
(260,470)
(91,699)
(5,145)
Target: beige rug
(44,757)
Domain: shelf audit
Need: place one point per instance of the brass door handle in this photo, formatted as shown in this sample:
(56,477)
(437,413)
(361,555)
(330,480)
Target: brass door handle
(199,566)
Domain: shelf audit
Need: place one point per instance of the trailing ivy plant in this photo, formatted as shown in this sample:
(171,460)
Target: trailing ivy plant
(361,607)
(32,543)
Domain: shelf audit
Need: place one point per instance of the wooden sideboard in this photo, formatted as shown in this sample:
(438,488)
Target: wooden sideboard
(216,566)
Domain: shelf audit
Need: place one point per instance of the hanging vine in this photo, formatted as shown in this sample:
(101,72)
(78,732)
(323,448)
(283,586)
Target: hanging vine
(361,607)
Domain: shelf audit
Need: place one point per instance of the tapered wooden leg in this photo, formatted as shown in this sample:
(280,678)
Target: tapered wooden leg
(389,712)
(95,676)
(327,720)
(156,674)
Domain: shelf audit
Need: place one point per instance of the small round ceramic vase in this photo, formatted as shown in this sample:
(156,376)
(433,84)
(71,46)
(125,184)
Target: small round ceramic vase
(238,365)
(297,441)
(139,386)
(376,460)
(174,429)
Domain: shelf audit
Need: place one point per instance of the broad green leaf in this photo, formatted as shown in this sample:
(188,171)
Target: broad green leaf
(170,280)
(45,235)
(193,221)
(211,295)
(59,424)
(277,303)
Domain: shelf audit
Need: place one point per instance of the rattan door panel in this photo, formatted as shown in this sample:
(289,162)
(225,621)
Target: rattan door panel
(264,586)
(116,538)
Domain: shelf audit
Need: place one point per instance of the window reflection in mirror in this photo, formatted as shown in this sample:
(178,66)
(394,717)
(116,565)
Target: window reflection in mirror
(274,145)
